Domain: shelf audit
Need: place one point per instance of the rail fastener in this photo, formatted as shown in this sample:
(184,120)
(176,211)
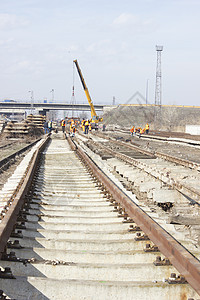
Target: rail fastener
(161,262)
(134,228)
(176,279)
(14,245)
(141,237)
(151,248)
(6,273)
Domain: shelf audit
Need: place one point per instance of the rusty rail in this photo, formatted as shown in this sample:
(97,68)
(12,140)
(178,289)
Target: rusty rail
(7,223)
(180,161)
(5,161)
(164,177)
(182,259)
(183,188)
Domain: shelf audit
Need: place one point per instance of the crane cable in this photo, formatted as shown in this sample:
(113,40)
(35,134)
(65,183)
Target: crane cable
(73,100)
(73,81)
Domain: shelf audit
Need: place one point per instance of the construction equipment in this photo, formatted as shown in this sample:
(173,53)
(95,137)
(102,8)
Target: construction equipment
(94,118)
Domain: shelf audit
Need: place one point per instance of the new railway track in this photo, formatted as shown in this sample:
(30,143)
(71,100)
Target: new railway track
(70,231)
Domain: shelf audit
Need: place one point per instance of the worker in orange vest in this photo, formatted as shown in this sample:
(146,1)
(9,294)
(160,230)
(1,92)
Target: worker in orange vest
(132,130)
(73,130)
(71,126)
(86,127)
(147,128)
(141,131)
(83,125)
(90,126)
(63,125)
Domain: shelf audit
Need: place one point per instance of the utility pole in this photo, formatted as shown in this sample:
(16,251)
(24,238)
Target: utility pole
(53,113)
(32,101)
(52,98)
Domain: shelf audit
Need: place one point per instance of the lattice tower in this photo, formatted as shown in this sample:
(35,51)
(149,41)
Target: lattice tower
(158,91)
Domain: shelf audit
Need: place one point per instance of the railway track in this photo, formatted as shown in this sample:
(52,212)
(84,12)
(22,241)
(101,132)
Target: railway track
(12,154)
(171,137)
(144,159)
(78,236)
(170,182)
(8,159)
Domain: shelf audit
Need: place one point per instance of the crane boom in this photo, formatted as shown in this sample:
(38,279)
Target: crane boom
(94,116)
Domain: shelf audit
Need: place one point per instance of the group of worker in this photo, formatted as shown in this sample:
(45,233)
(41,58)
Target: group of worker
(139,130)
(73,125)
(84,124)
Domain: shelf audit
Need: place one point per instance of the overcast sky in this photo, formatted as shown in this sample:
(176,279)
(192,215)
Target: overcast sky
(114,42)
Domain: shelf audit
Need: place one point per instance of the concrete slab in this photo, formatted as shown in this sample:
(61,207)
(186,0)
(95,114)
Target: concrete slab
(43,289)
(164,195)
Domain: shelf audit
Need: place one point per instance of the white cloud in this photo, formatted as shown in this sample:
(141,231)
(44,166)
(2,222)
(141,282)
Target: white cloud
(25,67)
(135,22)
(11,21)
(5,42)
(96,46)
(125,19)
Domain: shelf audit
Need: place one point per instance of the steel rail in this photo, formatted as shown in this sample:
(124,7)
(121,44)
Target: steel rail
(7,159)
(187,264)
(182,140)
(180,161)
(18,198)
(164,177)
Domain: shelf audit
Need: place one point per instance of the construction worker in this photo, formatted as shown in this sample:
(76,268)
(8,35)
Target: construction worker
(141,132)
(71,126)
(50,126)
(83,125)
(132,130)
(73,130)
(147,128)
(137,130)
(90,126)
(86,126)
(46,129)
(63,125)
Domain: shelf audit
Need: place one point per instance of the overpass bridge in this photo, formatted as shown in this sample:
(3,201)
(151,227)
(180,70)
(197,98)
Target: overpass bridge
(47,106)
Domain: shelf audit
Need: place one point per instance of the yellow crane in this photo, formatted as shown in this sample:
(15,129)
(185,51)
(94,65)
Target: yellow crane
(94,117)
